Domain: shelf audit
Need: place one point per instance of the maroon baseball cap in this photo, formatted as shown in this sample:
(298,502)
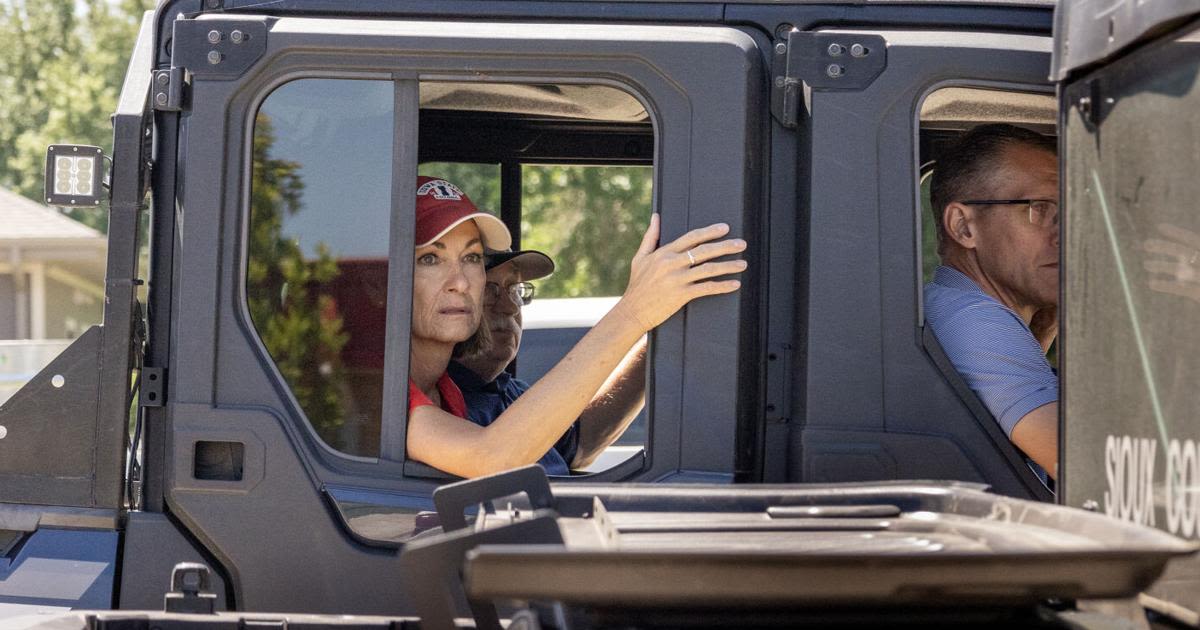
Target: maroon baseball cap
(442,206)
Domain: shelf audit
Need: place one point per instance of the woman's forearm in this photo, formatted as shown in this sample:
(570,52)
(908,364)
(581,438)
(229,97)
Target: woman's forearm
(661,281)
(535,421)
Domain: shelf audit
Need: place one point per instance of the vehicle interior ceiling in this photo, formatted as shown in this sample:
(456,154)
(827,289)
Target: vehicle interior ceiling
(948,112)
(522,123)
(599,124)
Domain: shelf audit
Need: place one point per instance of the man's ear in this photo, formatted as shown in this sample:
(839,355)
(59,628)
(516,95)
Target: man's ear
(959,222)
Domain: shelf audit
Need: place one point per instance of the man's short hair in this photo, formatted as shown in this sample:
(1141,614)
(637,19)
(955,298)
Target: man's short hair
(968,168)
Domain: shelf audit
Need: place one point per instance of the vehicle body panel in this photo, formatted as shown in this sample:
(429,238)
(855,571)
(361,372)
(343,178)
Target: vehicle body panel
(1129,432)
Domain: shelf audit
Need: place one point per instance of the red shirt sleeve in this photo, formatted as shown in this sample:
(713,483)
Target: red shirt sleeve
(416,398)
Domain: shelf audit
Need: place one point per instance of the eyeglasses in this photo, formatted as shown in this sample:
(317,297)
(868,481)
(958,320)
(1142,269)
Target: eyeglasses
(1042,212)
(519,292)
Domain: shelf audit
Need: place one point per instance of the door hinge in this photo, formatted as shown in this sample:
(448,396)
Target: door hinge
(821,61)
(152,390)
(217,49)
(777,408)
(168,89)
(1092,106)
(208,49)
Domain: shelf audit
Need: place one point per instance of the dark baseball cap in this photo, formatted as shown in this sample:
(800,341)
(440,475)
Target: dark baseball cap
(531,263)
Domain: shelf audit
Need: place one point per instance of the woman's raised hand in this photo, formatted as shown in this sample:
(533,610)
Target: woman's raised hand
(664,279)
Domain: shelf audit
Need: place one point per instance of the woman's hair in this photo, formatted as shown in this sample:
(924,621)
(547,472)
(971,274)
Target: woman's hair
(481,339)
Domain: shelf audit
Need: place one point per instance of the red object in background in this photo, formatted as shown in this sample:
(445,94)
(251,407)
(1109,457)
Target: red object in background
(360,291)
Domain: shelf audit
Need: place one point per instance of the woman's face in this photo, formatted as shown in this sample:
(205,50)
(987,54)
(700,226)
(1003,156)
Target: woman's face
(448,279)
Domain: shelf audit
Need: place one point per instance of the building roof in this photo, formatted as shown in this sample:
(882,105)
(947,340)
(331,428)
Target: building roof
(24,220)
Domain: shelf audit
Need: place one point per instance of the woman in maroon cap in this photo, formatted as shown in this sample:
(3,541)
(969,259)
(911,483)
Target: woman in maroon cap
(448,281)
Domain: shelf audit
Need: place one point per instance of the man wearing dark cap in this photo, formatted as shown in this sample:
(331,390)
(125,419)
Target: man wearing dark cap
(489,390)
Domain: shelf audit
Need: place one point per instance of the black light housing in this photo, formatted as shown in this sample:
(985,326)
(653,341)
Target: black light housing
(74,175)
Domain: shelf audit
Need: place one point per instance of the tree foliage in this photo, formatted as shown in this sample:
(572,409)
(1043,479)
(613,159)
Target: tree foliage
(589,219)
(299,326)
(61,69)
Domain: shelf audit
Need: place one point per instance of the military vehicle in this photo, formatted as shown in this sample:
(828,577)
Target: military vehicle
(273,149)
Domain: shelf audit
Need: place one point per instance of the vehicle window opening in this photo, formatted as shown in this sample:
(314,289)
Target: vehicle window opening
(989,256)
(573,182)
(568,168)
(949,112)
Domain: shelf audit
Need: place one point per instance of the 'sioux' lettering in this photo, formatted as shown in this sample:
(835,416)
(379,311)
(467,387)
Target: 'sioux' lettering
(1130,471)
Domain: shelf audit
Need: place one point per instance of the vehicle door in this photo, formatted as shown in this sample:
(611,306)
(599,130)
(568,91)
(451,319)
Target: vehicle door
(284,444)
(873,397)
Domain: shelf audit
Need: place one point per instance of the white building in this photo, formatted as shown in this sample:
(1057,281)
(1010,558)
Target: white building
(51,285)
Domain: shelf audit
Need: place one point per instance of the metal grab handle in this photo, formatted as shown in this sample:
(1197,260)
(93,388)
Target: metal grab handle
(453,499)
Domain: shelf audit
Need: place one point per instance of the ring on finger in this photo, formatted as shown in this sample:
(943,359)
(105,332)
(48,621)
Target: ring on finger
(691,257)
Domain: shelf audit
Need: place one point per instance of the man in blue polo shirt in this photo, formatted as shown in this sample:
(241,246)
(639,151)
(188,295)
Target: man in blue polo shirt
(993,303)
(489,390)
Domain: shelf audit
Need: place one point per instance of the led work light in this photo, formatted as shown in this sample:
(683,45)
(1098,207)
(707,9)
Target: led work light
(74,175)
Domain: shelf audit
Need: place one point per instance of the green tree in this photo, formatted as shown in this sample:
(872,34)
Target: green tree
(589,219)
(481,182)
(929,256)
(61,69)
(299,326)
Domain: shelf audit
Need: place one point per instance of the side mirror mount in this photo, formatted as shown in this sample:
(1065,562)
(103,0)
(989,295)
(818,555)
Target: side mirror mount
(74,175)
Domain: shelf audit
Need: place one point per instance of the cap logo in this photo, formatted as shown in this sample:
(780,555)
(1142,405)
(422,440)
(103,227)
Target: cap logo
(440,189)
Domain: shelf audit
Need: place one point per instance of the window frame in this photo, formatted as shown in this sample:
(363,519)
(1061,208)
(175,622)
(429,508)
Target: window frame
(392,459)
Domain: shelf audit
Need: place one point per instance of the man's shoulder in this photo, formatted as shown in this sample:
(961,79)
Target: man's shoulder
(948,307)
(973,323)
(968,322)
(953,299)
(462,376)
(943,304)
(517,385)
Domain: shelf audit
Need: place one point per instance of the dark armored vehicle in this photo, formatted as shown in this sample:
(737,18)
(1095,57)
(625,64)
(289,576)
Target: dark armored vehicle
(274,149)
